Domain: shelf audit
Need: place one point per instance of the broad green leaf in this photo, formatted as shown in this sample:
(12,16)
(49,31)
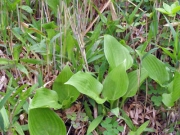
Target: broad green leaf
(169,99)
(115,111)
(45,98)
(88,85)
(116,53)
(43,121)
(175,10)
(49,25)
(136,78)
(176,86)
(156,69)
(65,92)
(167,8)
(54,4)
(175,4)
(116,83)
(26,8)
(162,10)
(142,128)
(94,124)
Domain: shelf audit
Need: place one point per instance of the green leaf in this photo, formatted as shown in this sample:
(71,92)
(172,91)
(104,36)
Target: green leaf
(132,15)
(4,120)
(167,8)
(16,51)
(116,83)
(175,10)
(6,97)
(32,61)
(49,25)
(18,128)
(156,69)
(127,119)
(94,124)
(116,53)
(176,86)
(4,61)
(136,78)
(169,99)
(45,98)
(22,68)
(115,111)
(162,10)
(88,85)
(26,8)
(65,92)
(142,128)
(43,121)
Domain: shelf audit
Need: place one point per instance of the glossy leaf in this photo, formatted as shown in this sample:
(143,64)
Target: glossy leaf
(45,98)
(94,124)
(156,69)
(67,94)
(116,83)
(136,78)
(43,121)
(88,85)
(116,53)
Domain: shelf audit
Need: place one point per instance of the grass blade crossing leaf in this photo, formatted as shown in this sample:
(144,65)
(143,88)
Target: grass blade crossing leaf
(134,76)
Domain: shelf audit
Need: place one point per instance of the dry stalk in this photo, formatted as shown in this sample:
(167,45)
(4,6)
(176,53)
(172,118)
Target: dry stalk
(77,26)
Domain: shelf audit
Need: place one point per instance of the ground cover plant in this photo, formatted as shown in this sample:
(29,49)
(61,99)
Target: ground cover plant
(89,67)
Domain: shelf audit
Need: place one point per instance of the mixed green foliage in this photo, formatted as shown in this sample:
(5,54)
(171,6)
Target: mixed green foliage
(101,67)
